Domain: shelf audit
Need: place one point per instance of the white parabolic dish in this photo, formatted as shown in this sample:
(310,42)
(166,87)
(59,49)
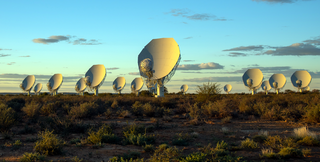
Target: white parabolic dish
(164,53)
(136,84)
(277,81)
(55,82)
(28,82)
(227,88)
(266,85)
(96,75)
(301,77)
(37,88)
(164,56)
(119,83)
(184,88)
(81,85)
(252,79)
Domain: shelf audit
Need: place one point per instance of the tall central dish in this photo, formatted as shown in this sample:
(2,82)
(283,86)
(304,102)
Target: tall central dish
(158,62)
(252,79)
(95,77)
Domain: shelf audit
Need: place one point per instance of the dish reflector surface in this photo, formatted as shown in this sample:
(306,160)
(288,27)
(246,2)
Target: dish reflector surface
(252,78)
(55,82)
(119,83)
(136,84)
(277,81)
(162,54)
(37,88)
(301,79)
(227,88)
(266,85)
(184,88)
(81,85)
(95,76)
(28,82)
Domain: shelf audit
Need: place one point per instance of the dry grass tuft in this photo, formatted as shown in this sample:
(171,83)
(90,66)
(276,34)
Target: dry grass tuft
(302,132)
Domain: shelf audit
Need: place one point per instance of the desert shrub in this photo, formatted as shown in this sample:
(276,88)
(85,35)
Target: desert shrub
(268,153)
(140,139)
(195,111)
(124,113)
(306,152)
(246,105)
(181,139)
(195,157)
(103,135)
(308,141)
(137,109)
(49,143)
(47,109)
(165,154)
(300,133)
(145,93)
(207,90)
(276,142)
(86,109)
(148,148)
(16,104)
(31,110)
(128,156)
(115,104)
(261,137)
(222,145)
(288,152)
(249,144)
(226,119)
(7,117)
(30,157)
(313,114)
(134,129)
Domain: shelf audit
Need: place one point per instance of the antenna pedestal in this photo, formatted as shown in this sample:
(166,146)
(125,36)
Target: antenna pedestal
(96,92)
(160,91)
(137,93)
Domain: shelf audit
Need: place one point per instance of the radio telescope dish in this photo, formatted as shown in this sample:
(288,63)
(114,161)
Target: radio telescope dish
(158,62)
(81,86)
(118,84)
(252,79)
(37,88)
(136,85)
(28,83)
(95,77)
(227,88)
(277,81)
(266,86)
(306,89)
(301,79)
(54,83)
(184,88)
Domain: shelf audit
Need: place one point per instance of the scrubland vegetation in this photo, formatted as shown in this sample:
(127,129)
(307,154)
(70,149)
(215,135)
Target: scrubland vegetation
(206,126)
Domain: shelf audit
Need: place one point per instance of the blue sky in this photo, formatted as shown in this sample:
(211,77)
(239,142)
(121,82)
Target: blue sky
(219,40)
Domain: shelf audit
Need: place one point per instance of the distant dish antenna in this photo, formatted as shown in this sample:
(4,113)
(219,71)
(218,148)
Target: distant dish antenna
(266,86)
(81,86)
(118,84)
(227,88)
(158,62)
(37,88)
(301,79)
(184,88)
(306,89)
(136,85)
(252,79)
(54,83)
(277,81)
(28,83)
(95,77)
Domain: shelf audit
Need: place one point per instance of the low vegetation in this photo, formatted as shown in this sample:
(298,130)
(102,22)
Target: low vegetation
(192,127)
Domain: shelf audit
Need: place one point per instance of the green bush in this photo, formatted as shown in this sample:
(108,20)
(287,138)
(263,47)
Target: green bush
(222,145)
(288,152)
(181,139)
(313,114)
(103,135)
(249,144)
(7,117)
(308,141)
(195,157)
(86,109)
(49,143)
(140,139)
(207,90)
(148,148)
(31,157)
(137,109)
(31,110)
(47,109)
(165,153)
